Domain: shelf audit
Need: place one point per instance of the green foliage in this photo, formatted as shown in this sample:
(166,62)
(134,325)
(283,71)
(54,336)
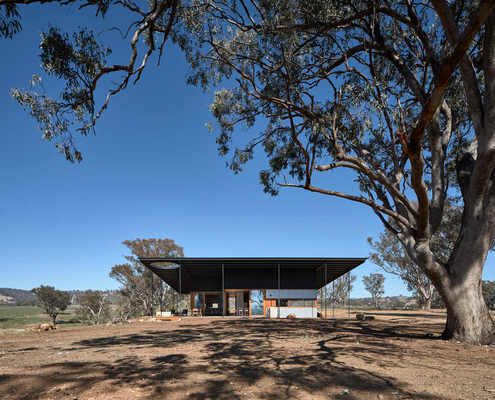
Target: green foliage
(281,64)
(80,62)
(140,289)
(10,16)
(52,300)
(76,61)
(10,21)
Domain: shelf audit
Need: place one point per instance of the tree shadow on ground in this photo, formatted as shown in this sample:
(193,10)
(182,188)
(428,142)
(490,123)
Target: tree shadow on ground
(230,358)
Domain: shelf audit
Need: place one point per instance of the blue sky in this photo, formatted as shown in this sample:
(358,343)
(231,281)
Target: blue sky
(151,170)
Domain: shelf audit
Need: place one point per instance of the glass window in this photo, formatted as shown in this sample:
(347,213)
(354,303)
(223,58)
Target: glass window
(300,303)
(282,303)
(295,303)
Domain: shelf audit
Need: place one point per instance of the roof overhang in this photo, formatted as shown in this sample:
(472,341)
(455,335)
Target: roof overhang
(196,274)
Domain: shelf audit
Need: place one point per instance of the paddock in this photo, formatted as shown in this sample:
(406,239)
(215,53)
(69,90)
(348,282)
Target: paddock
(395,356)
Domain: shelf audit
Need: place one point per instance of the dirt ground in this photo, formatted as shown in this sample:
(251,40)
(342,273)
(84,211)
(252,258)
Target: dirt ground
(395,356)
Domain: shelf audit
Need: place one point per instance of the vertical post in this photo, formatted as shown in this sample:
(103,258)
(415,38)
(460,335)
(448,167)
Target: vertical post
(349,295)
(321,302)
(264,302)
(223,290)
(326,277)
(151,292)
(160,300)
(278,304)
(333,299)
(250,304)
(192,306)
(180,289)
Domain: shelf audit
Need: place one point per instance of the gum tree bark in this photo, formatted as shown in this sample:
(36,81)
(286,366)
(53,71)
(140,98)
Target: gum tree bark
(468,317)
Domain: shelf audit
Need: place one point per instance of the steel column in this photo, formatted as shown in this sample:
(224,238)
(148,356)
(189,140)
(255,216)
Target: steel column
(278,304)
(223,290)
(349,295)
(321,302)
(333,299)
(326,277)
(180,290)
(151,302)
(192,303)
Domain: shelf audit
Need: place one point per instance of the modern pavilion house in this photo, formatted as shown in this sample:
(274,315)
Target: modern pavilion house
(223,286)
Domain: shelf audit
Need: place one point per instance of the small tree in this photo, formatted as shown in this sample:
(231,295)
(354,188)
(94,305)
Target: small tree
(373,283)
(52,300)
(340,288)
(141,290)
(94,306)
(390,255)
(123,308)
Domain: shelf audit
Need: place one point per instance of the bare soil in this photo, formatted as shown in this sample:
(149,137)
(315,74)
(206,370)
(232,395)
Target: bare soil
(396,356)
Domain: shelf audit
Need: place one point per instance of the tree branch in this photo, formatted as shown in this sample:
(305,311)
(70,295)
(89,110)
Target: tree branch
(414,147)
(358,199)
(470,81)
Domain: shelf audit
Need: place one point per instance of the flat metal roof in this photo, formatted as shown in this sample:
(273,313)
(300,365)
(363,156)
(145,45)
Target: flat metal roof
(187,274)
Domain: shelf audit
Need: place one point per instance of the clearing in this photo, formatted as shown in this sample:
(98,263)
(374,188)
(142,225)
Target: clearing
(391,357)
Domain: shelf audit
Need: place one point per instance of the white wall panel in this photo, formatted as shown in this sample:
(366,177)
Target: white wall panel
(291,293)
(298,312)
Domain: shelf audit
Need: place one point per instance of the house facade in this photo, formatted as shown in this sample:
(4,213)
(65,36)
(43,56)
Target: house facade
(224,286)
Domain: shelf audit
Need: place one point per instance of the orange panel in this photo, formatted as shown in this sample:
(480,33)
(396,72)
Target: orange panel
(268,303)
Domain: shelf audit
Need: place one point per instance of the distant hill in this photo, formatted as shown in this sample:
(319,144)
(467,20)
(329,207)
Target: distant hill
(16,296)
(21,297)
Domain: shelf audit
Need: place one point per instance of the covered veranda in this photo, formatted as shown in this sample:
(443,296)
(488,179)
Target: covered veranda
(222,286)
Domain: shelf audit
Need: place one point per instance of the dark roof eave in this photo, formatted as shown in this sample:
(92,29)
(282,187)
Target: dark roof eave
(180,260)
(209,266)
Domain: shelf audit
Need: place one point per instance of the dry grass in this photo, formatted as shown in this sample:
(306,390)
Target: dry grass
(395,356)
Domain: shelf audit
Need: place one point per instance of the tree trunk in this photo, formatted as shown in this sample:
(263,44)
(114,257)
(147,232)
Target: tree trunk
(459,284)
(426,304)
(468,317)
(424,297)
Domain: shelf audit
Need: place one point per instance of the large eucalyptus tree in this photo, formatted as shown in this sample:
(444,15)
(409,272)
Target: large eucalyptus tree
(400,92)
